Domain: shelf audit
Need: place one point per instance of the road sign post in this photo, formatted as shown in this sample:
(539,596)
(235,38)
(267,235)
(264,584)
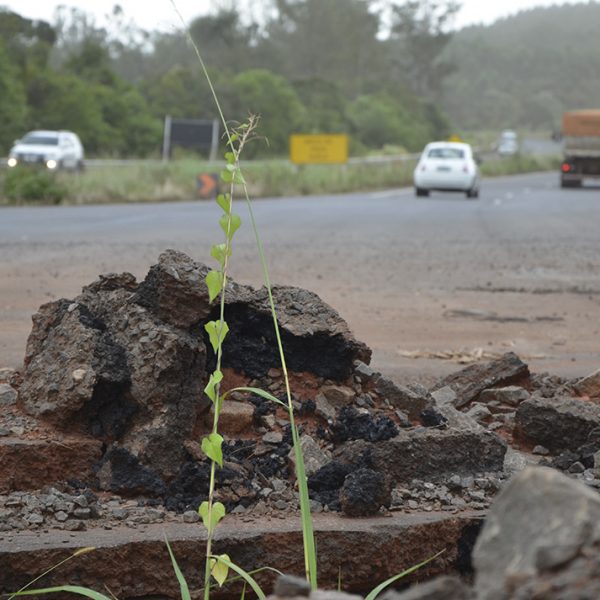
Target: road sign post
(318,148)
(199,134)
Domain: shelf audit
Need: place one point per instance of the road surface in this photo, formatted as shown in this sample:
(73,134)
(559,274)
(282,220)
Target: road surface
(518,269)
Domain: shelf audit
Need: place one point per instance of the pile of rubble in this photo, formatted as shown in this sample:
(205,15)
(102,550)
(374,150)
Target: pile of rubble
(540,541)
(101,428)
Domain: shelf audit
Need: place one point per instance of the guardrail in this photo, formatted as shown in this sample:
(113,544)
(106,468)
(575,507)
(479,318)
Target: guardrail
(93,163)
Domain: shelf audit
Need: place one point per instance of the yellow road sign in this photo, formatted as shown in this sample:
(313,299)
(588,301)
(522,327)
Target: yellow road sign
(318,148)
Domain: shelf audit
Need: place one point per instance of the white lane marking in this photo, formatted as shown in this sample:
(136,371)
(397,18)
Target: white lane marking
(390,193)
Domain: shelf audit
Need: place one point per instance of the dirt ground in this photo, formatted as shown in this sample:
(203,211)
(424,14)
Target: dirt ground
(518,270)
(552,332)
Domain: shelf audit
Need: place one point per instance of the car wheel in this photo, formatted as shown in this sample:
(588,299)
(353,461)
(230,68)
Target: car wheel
(474,193)
(421,192)
(80,166)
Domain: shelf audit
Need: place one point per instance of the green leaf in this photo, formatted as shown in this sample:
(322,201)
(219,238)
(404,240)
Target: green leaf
(211,387)
(211,446)
(183,586)
(236,221)
(230,157)
(223,202)
(219,252)
(217,331)
(238,177)
(261,393)
(216,514)
(233,138)
(245,575)
(227,176)
(377,590)
(214,282)
(219,569)
(71,589)
(231,167)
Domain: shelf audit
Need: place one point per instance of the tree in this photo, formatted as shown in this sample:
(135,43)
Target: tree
(225,41)
(180,92)
(379,119)
(13,108)
(92,63)
(325,106)
(27,42)
(329,41)
(63,101)
(270,96)
(419,33)
(227,44)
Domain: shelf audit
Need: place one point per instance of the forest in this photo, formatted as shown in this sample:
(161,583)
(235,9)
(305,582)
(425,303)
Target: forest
(392,74)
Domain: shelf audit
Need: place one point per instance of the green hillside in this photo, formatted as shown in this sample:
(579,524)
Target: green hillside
(525,70)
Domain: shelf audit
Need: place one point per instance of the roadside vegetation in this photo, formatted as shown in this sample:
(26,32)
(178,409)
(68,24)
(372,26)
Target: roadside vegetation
(304,66)
(523,71)
(307,65)
(155,182)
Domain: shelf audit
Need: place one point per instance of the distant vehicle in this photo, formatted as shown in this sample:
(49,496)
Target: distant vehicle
(581,147)
(51,149)
(447,166)
(508,144)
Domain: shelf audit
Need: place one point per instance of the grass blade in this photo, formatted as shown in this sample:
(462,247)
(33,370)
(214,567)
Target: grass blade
(261,393)
(183,586)
(377,590)
(310,551)
(62,562)
(72,589)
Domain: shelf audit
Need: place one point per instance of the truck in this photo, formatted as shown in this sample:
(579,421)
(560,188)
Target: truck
(581,147)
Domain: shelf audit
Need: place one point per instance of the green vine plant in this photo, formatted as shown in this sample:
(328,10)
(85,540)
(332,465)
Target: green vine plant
(212,512)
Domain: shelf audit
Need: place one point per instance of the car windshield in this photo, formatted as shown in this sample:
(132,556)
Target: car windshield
(446,153)
(40,140)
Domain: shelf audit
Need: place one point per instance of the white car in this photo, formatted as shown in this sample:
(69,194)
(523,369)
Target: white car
(447,166)
(508,144)
(52,149)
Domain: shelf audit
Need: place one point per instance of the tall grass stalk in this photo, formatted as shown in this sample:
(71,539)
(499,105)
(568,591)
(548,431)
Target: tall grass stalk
(310,553)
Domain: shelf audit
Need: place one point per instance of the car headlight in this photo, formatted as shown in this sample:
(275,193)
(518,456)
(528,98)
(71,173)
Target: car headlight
(51,164)
(12,162)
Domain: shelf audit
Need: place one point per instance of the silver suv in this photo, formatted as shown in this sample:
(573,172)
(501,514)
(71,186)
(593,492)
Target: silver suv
(52,149)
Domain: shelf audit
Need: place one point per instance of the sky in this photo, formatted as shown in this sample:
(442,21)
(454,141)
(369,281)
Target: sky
(161,15)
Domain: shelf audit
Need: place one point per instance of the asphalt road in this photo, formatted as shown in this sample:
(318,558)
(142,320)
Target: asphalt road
(518,269)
